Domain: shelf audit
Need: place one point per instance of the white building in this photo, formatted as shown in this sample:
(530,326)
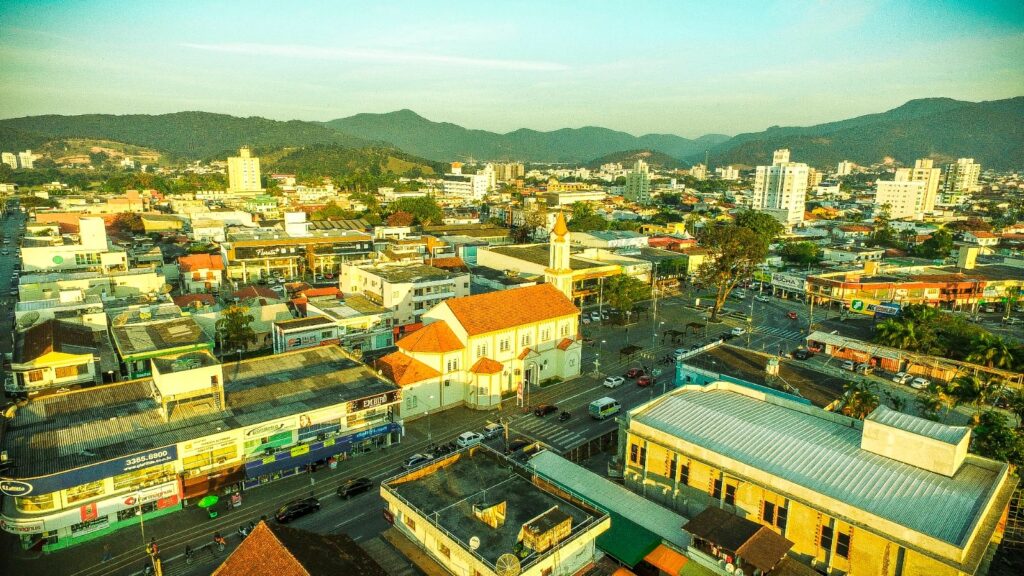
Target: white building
(26,160)
(468,186)
(10,159)
(845,168)
(638,183)
(962,176)
(902,196)
(781,189)
(408,290)
(923,171)
(727,173)
(244,173)
(91,253)
(699,171)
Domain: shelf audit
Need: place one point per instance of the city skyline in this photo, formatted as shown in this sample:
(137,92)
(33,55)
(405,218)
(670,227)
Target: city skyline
(651,67)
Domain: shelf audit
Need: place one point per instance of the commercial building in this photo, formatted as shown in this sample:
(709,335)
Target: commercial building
(244,173)
(407,290)
(781,188)
(891,495)
(92,252)
(474,349)
(468,186)
(201,273)
(252,255)
(84,464)
(638,183)
(56,354)
(475,512)
(151,332)
(961,176)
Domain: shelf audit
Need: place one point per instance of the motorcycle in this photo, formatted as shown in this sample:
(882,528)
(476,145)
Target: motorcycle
(564,416)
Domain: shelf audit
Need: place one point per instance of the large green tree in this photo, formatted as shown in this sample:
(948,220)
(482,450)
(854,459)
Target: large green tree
(733,254)
(234,329)
(801,253)
(992,351)
(861,399)
(938,246)
(584,219)
(763,225)
(623,292)
(423,209)
(994,438)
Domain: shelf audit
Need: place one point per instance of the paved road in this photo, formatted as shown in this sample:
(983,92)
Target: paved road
(10,226)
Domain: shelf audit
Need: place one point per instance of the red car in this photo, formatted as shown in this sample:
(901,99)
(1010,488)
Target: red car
(634,373)
(791,315)
(643,381)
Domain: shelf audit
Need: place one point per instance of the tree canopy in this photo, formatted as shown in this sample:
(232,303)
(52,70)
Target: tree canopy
(801,252)
(733,254)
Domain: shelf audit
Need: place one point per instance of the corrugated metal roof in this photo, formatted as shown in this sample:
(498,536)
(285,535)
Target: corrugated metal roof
(843,342)
(611,496)
(942,432)
(822,454)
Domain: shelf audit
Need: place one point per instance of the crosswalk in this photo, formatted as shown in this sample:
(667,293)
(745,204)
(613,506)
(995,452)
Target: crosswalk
(794,335)
(547,430)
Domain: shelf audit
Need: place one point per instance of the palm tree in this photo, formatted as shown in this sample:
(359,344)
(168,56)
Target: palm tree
(897,333)
(974,390)
(992,351)
(861,399)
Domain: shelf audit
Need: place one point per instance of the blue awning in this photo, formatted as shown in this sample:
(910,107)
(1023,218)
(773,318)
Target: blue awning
(304,454)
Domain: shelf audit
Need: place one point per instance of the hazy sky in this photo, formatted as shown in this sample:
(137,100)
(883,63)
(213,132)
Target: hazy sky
(687,68)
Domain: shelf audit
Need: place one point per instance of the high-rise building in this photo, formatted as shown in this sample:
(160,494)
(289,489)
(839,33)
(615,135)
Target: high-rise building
(962,176)
(727,173)
(10,159)
(699,171)
(781,188)
(244,173)
(26,160)
(509,171)
(923,171)
(902,196)
(638,183)
(845,168)
(814,178)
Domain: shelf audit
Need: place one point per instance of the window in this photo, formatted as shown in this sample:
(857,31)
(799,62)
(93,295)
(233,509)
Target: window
(409,522)
(146,477)
(768,513)
(35,503)
(527,340)
(545,335)
(634,453)
(730,494)
(564,331)
(326,335)
(481,350)
(453,364)
(69,371)
(684,474)
(547,571)
(716,489)
(825,541)
(85,491)
(671,469)
(780,517)
(444,550)
(843,545)
(35,376)
(643,456)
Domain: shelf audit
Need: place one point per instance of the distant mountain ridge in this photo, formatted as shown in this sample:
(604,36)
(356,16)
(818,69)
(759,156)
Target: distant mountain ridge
(940,128)
(444,141)
(628,158)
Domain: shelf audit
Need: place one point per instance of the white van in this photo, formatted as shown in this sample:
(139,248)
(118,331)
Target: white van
(603,408)
(467,439)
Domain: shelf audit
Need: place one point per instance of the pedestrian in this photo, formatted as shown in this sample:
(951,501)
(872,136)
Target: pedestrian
(106,553)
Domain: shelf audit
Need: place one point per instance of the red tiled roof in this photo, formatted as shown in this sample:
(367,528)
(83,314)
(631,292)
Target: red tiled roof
(504,309)
(526,352)
(200,262)
(565,343)
(186,300)
(404,370)
(317,292)
(447,263)
(855,228)
(486,366)
(981,234)
(256,292)
(435,337)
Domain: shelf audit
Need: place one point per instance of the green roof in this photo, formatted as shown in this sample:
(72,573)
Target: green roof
(627,541)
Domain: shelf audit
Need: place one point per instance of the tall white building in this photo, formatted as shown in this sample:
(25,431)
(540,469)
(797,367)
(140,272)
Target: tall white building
(923,171)
(26,159)
(638,183)
(902,196)
(699,171)
(244,172)
(10,159)
(962,176)
(845,168)
(727,173)
(781,188)
(469,186)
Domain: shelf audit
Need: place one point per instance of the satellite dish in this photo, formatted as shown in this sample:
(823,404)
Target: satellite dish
(28,319)
(474,542)
(730,568)
(166,288)
(507,565)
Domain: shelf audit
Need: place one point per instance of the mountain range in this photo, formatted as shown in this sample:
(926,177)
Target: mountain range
(941,128)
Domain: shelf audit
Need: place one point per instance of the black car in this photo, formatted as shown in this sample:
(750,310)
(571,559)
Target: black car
(354,487)
(802,354)
(545,409)
(517,444)
(296,509)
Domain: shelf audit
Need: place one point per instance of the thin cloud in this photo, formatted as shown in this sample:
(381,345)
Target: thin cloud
(383,56)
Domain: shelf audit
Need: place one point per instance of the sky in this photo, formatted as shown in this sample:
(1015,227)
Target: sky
(680,67)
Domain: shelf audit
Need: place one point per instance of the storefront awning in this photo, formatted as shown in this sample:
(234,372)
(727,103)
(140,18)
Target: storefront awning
(667,560)
(627,541)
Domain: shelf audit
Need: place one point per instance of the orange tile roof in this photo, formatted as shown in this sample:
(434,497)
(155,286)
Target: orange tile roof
(186,300)
(447,263)
(435,337)
(524,353)
(404,370)
(565,343)
(486,366)
(200,262)
(504,309)
(317,292)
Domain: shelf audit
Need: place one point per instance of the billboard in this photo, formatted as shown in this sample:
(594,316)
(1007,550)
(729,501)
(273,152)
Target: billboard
(90,473)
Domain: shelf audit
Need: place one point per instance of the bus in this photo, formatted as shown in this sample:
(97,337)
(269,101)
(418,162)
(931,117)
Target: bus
(604,407)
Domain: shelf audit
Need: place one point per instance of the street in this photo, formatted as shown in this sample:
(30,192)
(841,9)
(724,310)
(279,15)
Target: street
(11,226)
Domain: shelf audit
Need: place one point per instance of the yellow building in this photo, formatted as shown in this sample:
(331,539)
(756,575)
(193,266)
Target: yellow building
(892,495)
(244,173)
(474,349)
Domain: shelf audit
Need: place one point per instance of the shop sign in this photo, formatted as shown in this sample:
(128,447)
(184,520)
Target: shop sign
(90,511)
(150,494)
(334,414)
(300,450)
(208,444)
(789,282)
(270,428)
(21,527)
(92,473)
(374,401)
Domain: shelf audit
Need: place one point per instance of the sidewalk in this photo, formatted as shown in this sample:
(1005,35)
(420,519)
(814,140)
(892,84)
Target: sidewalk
(414,553)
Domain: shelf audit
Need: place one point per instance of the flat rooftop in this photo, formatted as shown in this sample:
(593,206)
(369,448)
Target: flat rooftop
(482,477)
(821,451)
(405,273)
(354,306)
(134,339)
(65,431)
(538,254)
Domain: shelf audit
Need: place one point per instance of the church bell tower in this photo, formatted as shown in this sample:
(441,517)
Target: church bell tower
(558,273)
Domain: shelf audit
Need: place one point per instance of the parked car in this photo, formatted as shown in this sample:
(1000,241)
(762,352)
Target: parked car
(544,410)
(467,439)
(802,354)
(989,309)
(614,381)
(791,315)
(902,378)
(762,298)
(296,509)
(605,315)
(354,487)
(585,319)
(417,459)
(862,368)
(634,373)
(492,430)
(517,444)
(849,365)
(919,383)
(644,381)
(737,331)
(595,316)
